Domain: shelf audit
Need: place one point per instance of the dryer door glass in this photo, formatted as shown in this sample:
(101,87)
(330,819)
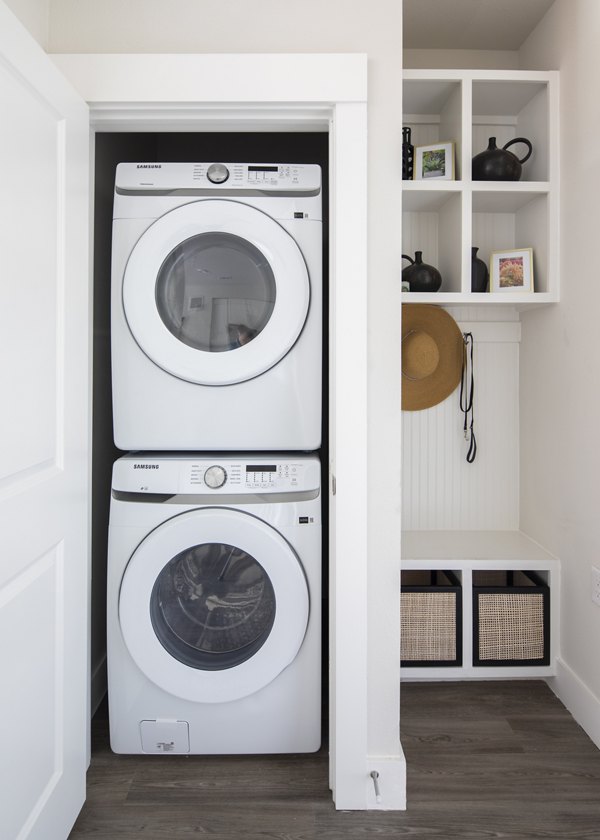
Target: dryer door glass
(215,292)
(212,606)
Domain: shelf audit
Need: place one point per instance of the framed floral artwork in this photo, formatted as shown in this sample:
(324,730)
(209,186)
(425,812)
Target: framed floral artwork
(512,271)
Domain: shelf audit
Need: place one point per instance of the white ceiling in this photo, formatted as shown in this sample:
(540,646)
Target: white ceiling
(471,24)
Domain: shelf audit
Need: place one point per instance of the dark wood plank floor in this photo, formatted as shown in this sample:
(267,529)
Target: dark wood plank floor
(485,760)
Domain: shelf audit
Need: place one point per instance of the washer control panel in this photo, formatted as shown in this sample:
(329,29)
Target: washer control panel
(248,477)
(215,475)
(266,177)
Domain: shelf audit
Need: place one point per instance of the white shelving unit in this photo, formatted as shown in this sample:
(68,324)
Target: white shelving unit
(445,219)
(464,552)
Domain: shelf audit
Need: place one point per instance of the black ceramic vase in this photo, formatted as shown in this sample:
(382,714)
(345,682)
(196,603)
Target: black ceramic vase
(420,276)
(496,164)
(408,155)
(479,273)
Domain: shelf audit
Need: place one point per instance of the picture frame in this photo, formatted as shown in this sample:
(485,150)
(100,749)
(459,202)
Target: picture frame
(434,162)
(511,271)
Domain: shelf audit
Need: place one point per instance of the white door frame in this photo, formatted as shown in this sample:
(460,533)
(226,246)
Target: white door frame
(289,92)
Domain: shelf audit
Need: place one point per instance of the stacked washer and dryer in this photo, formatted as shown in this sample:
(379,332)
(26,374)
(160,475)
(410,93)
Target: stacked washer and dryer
(214,566)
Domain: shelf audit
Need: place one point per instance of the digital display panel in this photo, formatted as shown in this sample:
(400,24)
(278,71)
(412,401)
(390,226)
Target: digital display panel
(260,468)
(263,168)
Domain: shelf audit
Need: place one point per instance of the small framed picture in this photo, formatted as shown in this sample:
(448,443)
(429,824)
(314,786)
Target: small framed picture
(435,161)
(512,271)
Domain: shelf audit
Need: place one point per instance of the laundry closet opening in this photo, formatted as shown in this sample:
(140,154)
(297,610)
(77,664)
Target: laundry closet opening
(112,148)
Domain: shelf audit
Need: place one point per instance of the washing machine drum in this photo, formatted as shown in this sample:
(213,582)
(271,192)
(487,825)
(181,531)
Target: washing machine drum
(213,605)
(216,292)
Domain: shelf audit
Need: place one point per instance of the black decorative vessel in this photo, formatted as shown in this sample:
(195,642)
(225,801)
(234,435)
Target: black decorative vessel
(408,155)
(496,164)
(479,273)
(420,276)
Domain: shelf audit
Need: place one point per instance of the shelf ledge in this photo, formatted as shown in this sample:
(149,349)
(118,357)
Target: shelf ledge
(518,300)
(451,547)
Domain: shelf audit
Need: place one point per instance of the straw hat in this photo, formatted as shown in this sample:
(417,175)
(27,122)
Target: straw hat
(432,355)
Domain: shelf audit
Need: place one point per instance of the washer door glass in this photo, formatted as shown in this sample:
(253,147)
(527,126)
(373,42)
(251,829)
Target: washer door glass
(215,292)
(212,606)
(214,276)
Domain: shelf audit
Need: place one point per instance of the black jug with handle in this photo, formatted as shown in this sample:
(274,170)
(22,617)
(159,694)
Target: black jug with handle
(420,276)
(496,164)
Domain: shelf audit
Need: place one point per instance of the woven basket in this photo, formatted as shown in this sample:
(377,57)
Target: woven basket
(511,615)
(430,619)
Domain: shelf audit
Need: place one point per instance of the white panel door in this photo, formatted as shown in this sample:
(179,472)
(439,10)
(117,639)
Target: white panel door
(44,421)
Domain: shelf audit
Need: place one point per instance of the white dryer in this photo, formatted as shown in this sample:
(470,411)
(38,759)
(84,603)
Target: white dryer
(214,604)
(217,306)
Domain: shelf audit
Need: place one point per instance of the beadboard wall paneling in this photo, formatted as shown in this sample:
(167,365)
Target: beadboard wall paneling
(493,232)
(420,231)
(471,314)
(440,489)
(487,314)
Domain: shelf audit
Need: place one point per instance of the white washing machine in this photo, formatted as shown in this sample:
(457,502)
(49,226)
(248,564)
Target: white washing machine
(214,604)
(217,306)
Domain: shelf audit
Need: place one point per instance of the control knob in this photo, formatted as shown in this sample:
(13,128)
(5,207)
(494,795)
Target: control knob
(217,173)
(215,477)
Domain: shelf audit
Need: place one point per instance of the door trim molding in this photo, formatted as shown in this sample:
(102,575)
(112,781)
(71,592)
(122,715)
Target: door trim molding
(291,92)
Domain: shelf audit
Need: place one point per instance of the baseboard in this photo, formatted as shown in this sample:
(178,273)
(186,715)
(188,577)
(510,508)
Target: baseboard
(99,685)
(579,700)
(391,783)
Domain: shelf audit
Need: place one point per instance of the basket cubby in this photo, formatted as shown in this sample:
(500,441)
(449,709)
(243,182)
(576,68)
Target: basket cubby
(430,618)
(511,618)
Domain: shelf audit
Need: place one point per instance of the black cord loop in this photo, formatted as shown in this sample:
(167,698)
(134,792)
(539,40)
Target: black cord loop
(467,393)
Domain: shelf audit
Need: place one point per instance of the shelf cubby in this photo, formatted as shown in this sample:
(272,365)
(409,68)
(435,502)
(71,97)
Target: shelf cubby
(504,220)
(433,112)
(511,618)
(431,223)
(509,108)
(431,618)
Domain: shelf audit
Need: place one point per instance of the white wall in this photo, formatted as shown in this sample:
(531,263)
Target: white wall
(34,15)
(560,351)
(315,26)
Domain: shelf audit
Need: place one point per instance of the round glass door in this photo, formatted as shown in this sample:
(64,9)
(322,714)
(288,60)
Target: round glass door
(213,605)
(216,292)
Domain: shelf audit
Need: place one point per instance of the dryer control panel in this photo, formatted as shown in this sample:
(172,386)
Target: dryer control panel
(216,475)
(217,177)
